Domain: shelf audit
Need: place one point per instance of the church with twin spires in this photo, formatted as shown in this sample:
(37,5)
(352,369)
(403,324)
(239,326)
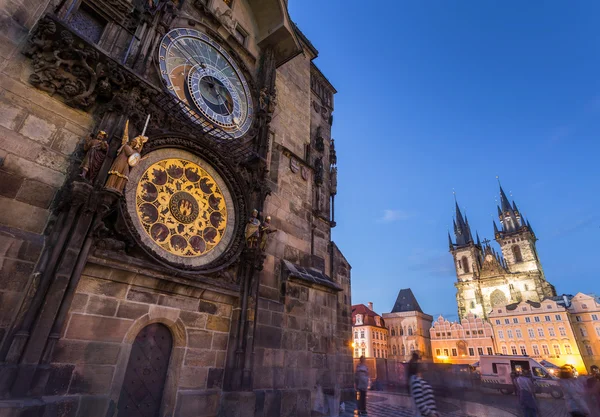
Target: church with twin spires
(486,278)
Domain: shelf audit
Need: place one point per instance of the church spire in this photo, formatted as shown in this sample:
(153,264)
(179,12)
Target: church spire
(462,230)
(508,217)
(450,244)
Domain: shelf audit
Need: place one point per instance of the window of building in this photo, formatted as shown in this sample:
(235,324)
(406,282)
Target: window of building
(471,351)
(509,333)
(545,350)
(524,308)
(562,331)
(498,321)
(241,35)
(536,350)
(465,264)
(468,333)
(598,331)
(362,334)
(513,350)
(500,334)
(541,332)
(578,318)
(506,321)
(438,352)
(446,352)
(595,317)
(584,306)
(556,349)
(583,331)
(356,353)
(547,318)
(412,348)
(490,351)
(558,317)
(527,320)
(356,335)
(517,253)
(504,351)
(454,352)
(393,332)
(363,353)
(551,331)
(568,349)
(516,320)
(410,331)
(531,333)
(403,350)
(402,332)
(472,304)
(480,351)
(479,331)
(536,319)
(589,350)
(394,351)
(549,307)
(88,23)
(519,334)
(523,350)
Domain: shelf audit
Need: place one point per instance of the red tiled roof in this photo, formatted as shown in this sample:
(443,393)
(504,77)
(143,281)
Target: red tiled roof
(368,315)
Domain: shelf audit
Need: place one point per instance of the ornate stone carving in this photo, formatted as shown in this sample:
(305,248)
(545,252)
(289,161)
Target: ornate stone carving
(333,181)
(127,157)
(319,141)
(252,232)
(227,20)
(319,170)
(265,230)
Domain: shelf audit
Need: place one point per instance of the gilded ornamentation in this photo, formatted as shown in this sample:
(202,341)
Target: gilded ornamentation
(253,230)
(127,157)
(265,230)
(181,207)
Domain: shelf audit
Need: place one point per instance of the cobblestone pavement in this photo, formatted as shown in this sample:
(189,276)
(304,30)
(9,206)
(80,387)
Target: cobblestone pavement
(474,404)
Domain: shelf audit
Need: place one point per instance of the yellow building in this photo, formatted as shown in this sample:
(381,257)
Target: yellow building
(369,331)
(408,328)
(461,343)
(585,319)
(540,330)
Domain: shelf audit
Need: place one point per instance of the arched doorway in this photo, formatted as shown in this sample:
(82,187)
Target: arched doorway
(143,385)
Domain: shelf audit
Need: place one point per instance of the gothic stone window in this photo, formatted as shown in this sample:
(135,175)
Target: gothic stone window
(497,298)
(465,264)
(517,253)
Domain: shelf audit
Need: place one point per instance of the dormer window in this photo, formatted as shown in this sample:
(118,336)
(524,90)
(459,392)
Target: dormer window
(359,319)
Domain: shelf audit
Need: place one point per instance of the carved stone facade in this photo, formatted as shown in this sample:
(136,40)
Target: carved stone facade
(89,285)
(487,279)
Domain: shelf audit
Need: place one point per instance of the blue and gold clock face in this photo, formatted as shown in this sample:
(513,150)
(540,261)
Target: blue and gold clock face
(200,73)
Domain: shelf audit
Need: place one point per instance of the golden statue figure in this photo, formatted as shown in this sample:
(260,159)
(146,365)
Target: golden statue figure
(127,157)
(95,152)
(253,230)
(265,230)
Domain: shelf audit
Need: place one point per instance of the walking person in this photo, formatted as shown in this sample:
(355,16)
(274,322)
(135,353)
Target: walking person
(361,379)
(526,392)
(593,391)
(574,393)
(421,392)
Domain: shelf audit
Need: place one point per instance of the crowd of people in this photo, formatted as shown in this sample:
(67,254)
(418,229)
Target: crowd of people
(581,395)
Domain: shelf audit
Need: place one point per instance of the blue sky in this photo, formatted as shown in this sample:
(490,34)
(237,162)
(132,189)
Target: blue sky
(442,95)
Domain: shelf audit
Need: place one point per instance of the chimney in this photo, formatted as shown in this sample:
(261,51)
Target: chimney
(371,305)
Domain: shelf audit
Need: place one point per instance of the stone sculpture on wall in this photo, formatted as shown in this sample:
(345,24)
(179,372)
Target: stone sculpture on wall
(265,230)
(253,230)
(127,157)
(95,153)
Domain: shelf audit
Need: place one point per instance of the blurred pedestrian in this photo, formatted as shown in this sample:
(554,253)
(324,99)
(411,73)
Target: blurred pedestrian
(526,392)
(593,391)
(574,393)
(420,391)
(361,378)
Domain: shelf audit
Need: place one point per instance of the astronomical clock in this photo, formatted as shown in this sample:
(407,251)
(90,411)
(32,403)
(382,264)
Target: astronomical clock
(181,207)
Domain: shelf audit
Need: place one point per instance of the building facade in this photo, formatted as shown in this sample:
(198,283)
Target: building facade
(461,343)
(584,315)
(486,279)
(370,333)
(167,180)
(408,328)
(540,330)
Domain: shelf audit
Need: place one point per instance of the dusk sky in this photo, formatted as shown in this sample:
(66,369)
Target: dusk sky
(442,95)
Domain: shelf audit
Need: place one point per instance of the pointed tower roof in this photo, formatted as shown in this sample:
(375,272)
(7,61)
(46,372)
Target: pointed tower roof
(406,301)
(504,201)
(495,228)
(462,231)
(514,206)
(450,244)
(478,240)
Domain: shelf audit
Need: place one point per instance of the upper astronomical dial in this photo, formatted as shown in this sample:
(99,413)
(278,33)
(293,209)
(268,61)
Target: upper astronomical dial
(199,72)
